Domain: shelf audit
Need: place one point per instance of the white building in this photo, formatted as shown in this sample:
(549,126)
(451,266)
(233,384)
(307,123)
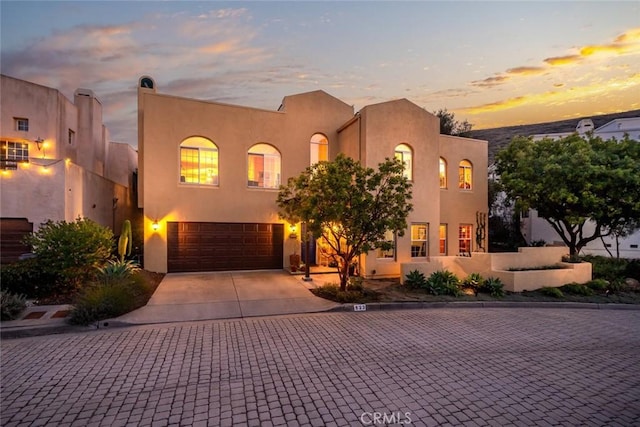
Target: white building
(535,228)
(57,162)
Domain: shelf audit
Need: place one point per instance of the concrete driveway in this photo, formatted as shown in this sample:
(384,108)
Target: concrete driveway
(225,295)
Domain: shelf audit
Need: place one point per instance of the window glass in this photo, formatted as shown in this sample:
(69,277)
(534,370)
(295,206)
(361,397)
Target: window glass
(442,231)
(404,154)
(319,148)
(22,124)
(464,239)
(389,236)
(443,173)
(198,161)
(464,175)
(14,151)
(419,240)
(263,166)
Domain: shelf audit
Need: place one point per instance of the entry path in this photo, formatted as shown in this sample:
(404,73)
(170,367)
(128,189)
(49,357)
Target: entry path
(206,296)
(480,366)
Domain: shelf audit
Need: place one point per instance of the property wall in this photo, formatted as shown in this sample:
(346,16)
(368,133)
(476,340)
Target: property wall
(122,160)
(168,120)
(459,206)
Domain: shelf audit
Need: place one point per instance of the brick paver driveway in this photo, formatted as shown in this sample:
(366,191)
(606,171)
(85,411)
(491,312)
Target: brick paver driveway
(424,367)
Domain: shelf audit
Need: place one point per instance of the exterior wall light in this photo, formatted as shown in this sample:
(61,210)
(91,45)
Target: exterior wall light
(39,143)
(292,231)
(155,226)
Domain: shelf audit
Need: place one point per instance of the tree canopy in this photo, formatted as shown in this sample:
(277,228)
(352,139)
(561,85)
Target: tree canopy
(572,180)
(348,205)
(450,126)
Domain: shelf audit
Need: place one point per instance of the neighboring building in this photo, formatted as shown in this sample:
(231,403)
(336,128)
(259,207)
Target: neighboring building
(57,163)
(536,229)
(210,172)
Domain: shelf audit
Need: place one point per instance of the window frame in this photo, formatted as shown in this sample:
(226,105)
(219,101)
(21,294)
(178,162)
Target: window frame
(390,254)
(442,240)
(214,161)
(317,141)
(442,173)
(21,124)
(407,172)
(463,167)
(277,159)
(422,240)
(462,238)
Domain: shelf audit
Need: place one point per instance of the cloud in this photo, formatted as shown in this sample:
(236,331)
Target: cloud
(563,60)
(490,81)
(526,71)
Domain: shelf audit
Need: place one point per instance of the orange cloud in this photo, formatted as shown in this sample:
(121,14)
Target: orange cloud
(563,60)
(490,81)
(527,71)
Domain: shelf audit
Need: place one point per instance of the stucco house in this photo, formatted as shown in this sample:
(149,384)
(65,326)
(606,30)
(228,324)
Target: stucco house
(57,163)
(535,228)
(210,172)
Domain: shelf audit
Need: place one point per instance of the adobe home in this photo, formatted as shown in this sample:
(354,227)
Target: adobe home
(209,175)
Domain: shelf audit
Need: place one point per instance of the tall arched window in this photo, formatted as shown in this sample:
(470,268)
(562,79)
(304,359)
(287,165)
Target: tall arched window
(465,174)
(319,148)
(263,166)
(443,173)
(404,153)
(198,161)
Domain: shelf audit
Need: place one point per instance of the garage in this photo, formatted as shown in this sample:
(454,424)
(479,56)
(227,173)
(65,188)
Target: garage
(215,246)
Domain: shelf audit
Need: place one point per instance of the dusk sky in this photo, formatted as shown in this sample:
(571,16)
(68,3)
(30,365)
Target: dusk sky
(492,63)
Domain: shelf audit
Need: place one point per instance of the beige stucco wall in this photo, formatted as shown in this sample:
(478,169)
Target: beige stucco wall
(169,120)
(122,160)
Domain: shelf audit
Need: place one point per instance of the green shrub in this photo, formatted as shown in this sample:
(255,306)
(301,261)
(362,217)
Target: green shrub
(550,291)
(332,292)
(443,283)
(473,281)
(609,269)
(597,285)
(11,305)
(492,286)
(576,289)
(71,250)
(356,284)
(106,300)
(415,280)
(115,270)
(28,278)
(632,269)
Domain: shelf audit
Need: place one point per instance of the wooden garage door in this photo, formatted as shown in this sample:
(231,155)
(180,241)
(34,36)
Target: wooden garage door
(215,246)
(12,231)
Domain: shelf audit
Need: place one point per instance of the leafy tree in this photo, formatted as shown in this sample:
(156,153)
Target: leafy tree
(450,126)
(71,250)
(572,180)
(349,205)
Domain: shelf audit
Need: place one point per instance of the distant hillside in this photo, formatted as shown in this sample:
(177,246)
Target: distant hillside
(500,137)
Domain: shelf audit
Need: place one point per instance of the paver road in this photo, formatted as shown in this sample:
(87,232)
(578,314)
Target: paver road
(471,367)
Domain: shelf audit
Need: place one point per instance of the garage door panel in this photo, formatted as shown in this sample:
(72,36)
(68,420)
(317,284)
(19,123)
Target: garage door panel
(196,246)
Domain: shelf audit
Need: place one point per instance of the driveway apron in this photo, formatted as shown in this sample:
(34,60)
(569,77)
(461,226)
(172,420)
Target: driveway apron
(225,295)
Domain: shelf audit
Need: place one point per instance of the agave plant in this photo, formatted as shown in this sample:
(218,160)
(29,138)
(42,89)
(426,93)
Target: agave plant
(115,270)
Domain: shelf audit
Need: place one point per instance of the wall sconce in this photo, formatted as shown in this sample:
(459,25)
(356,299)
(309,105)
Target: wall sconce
(292,231)
(155,226)
(39,143)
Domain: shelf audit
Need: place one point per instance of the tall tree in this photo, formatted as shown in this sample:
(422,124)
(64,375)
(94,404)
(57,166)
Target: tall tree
(450,126)
(348,205)
(573,180)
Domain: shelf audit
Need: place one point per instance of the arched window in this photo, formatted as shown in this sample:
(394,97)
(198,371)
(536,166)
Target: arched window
(404,153)
(198,161)
(319,148)
(443,173)
(465,174)
(263,166)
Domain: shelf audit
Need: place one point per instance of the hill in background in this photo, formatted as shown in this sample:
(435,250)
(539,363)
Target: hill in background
(500,137)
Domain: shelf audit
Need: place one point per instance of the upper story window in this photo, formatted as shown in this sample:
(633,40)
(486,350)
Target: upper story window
(319,148)
(465,173)
(72,137)
(198,161)
(21,124)
(263,166)
(443,173)
(404,153)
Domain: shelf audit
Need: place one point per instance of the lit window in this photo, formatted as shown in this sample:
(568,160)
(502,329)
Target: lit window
(22,124)
(198,161)
(443,173)
(419,240)
(263,168)
(319,148)
(389,237)
(72,137)
(404,154)
(464,175)
(464,239)
(12,153)
(443,239)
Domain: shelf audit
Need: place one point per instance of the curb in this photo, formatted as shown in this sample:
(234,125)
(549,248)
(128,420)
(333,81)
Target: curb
(415,305)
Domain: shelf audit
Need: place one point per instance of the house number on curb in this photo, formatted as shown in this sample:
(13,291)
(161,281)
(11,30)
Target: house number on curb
(359,307)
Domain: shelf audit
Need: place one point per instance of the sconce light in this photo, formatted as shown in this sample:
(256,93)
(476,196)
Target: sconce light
(39,143)
(292,231)
(155,226)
